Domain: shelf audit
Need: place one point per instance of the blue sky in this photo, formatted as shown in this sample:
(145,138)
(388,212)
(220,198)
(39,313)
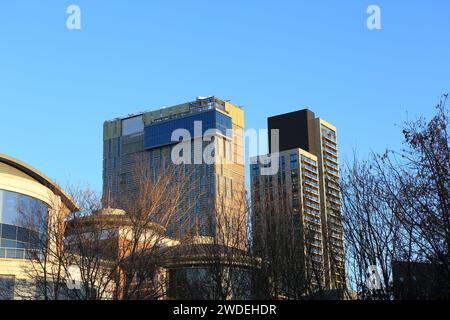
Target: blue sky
(58,86)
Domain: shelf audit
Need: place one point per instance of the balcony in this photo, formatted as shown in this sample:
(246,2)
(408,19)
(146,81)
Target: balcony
(313,177)
(312,205)
(309,161)
(312,218)
(311,190)
(334,213)
(335,222)
(315,214)
(331,151)
(331,145)
(328,138)
(331,158)
(332,165)
(311,183)
(333,193)
(309,167)
(313,199)
(333,185)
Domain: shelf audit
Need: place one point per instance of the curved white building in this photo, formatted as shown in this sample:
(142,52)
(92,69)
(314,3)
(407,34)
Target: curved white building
(22,189)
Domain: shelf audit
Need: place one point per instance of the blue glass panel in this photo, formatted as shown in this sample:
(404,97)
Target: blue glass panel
(10,253)
(9,207)
(20,254)
(23,245)
(15,240)
(8,243)
(23,234)
(14,206)
(161,133)
(9,232)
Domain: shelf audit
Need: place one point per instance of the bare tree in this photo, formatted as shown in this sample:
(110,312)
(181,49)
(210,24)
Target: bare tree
(226,255)
(45,268)
(369,228)
(159,201)
(290,268)
(396,208)
(110,254)
(215,266)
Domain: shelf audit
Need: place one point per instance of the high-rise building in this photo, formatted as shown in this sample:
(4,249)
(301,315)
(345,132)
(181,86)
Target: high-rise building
(331,206)
(147,137)
(293,194)
(306,184)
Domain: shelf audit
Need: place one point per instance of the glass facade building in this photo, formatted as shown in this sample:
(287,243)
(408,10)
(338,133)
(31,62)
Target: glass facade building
(14,207)
(146,138)
(28,200)
(160,134)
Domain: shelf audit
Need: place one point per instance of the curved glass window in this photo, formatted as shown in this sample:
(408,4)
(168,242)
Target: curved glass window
(20,218)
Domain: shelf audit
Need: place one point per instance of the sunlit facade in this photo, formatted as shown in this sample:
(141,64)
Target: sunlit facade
(146,138)
(25,195)
(307,183)
(293,192)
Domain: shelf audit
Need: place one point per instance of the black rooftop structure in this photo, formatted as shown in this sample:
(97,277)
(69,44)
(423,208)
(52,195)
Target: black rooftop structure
(296,130)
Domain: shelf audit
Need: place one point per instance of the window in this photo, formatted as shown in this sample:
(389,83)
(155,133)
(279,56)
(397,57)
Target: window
(294,161)
(329,133)
(224,148)
(231,187)
(197,171)
(15,207)
(197,208)
(218,184)
(132,125)
(255,169)
(10,254)
(152,160)
(161,133)
(225,186)
(211,184)
(109,148)
(7,284)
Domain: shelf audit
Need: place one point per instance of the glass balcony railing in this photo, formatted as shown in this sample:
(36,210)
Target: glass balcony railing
(311,176)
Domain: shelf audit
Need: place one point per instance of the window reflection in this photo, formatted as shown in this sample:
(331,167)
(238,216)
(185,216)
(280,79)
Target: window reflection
(161,133)
(14,239)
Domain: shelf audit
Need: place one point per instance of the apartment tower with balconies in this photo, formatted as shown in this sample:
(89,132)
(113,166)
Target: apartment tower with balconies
(307,185)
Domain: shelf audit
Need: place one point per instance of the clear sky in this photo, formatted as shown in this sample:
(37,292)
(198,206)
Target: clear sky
(57,86)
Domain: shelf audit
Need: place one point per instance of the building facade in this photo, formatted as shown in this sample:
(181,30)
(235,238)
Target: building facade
(293,193)
(147,138)
(307,185)
(330,194)
(120,258)
(155,266)
(25,193)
